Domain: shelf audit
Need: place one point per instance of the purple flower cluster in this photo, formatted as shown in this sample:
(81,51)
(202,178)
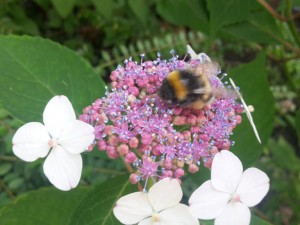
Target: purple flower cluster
(158,139)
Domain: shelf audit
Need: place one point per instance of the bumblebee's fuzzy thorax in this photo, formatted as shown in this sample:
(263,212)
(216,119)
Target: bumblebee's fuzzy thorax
(186,88)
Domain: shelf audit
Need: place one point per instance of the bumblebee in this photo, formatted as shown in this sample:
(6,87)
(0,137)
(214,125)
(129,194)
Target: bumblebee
(189,88)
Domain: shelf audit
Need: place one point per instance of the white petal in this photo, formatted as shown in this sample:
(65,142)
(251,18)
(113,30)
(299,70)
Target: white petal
(253,187)
(234,214)
(177,215)
(133,208)
(57,114)
(204,58)
(147,221)
(226,171)
(207,203)
(246,110)
(191,52)
(76,136)
(164,194)
(30,142)
(63,169)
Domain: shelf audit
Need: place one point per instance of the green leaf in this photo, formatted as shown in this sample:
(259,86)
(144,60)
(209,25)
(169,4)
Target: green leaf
(140,10)
(227,12)
(207,222)
(258,221)
(260,27)
(33,70)
(284,155)
(298,125)
(64,8)
(190,13)
(43,207)
(105,7)
(252,80)
(5,168)
(97,207)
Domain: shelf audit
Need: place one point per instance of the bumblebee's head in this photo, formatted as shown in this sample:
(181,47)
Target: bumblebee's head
(166,91)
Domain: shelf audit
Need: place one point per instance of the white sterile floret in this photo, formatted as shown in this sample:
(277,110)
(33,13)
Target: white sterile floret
(229,193)
(64,135)
(246,108)
(159,206)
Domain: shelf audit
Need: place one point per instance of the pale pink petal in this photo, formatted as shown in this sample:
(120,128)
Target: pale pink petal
(207,203)
(164,194)
(253,187)
(57,114)
(133,208)
(226,171)
(63,169)
(177,215)
(76,136)
(234,214)
(30,142)
(246,110)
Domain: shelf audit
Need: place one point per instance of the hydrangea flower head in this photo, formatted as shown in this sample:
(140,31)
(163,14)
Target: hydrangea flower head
(159,206)
(134,123)
(61,132)
(229,193)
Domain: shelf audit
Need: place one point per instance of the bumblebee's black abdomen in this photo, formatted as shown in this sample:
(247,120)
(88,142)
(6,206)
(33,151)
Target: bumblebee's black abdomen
(191,81)
(166,92)
(186,88)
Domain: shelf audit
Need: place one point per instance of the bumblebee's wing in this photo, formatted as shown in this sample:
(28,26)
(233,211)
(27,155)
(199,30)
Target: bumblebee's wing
(246,110)
(207,69)
(201,91)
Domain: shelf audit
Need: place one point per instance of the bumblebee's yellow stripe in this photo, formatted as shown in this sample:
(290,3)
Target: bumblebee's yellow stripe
(179,88)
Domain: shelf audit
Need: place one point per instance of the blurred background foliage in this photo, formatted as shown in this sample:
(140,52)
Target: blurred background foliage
(235,33)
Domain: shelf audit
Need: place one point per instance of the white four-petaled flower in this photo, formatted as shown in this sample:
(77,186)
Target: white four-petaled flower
(64,135)
(229,193)
(159,206)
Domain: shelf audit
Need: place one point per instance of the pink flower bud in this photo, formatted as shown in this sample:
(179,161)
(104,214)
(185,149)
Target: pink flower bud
(130,157)
(133,142)
(123,149)
(168,164)
(134,178)
(193,168)
(102,145)
(179,172)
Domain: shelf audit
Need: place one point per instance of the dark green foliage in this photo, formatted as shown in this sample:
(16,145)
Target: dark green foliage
(258,48)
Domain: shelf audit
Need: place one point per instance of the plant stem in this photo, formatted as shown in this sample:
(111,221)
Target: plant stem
(8,158)
(6,189)
(291,23)
(271,10)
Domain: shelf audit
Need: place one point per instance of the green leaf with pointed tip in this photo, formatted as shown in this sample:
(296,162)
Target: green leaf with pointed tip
(64,8)
(105,7)
(97,207)
(252,80)
(176,12)
(140,9)
(260,27)
(43,207)
(227,12)
(33,70)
